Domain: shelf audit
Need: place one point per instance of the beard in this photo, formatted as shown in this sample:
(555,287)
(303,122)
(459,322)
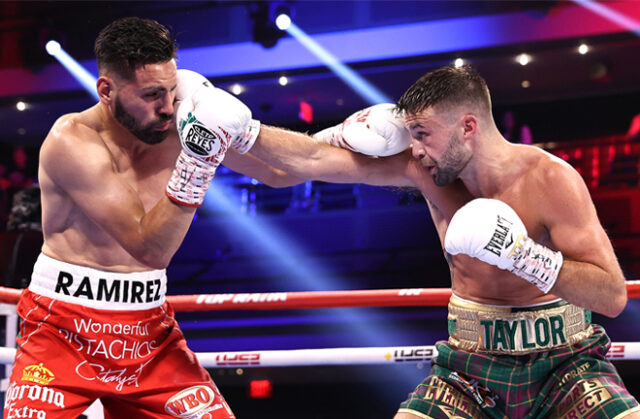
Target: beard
(145,133)
(453,161)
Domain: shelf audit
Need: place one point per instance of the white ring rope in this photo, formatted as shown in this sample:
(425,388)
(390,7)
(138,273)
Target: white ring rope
(619,351)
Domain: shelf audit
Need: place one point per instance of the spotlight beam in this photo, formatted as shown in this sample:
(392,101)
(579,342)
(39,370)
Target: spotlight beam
(86,79)
(611,15)
(365,89)
(284,250)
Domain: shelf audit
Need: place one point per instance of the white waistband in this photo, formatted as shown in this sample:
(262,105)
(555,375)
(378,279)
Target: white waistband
(98,289)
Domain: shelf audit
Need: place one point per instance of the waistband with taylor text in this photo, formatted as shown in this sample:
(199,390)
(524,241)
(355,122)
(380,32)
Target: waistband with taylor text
(98,289)
(516,330)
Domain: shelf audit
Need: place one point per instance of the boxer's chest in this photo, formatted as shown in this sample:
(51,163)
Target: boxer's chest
(148,173)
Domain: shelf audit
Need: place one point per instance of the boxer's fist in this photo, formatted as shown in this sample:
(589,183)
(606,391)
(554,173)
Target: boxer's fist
(490,230)
(200,103)
(188,82)
(486,229)
(208,121)
(376,131)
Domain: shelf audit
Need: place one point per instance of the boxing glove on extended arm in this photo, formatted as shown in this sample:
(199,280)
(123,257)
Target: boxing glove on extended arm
(208,121)
(376,131)
(490,230)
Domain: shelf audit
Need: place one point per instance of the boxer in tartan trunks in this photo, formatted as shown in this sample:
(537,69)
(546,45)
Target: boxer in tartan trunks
(519,229)
(529,261)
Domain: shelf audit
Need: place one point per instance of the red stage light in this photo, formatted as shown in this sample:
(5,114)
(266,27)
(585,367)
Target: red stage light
(260,389)
(306,112)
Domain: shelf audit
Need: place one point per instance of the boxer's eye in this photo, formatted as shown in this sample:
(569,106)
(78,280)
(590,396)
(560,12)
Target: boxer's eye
(153,94)
(422,136)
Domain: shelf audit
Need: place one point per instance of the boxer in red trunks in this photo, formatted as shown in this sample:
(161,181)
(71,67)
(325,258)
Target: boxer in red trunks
(120,185)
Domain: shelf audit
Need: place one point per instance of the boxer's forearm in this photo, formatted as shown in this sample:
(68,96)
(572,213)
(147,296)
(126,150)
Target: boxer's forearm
(160,233)
(299,155)
(292,152)
(591,287)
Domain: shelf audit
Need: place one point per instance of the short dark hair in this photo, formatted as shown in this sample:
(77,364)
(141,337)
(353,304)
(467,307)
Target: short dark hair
(129,43)
(447,85)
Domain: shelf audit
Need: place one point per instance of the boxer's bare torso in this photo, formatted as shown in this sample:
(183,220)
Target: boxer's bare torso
(111,155)
(555,206)
(475,280)
(103,192)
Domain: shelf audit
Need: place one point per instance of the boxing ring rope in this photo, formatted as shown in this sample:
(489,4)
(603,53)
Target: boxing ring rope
(322,299)
(434,297)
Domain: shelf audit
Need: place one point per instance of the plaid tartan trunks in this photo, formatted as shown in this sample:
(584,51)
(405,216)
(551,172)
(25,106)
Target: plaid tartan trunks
(569,381)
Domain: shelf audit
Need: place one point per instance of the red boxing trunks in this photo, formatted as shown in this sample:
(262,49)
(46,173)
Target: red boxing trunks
(89,334)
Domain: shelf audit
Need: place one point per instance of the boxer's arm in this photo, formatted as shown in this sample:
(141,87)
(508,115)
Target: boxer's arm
(75,158)
(253,167)
(591,276)
(301,156)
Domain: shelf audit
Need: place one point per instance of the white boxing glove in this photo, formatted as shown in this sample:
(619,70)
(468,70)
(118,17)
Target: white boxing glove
(208,121)
(490,230)
(190,82)
(376,131)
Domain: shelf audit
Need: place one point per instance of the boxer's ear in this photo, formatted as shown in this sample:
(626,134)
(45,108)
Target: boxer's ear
(104,86)
(469,125)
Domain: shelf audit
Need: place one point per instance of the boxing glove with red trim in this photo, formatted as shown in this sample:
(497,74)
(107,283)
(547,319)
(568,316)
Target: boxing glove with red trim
(376,131)
(490,230)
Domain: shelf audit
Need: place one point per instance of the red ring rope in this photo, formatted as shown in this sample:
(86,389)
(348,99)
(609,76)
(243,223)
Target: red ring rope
(307,299)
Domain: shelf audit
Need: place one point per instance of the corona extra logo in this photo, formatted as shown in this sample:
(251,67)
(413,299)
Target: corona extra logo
(37,374)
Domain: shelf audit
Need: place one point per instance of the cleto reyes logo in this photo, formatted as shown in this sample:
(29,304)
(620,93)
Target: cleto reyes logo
(192,402)
(201,141)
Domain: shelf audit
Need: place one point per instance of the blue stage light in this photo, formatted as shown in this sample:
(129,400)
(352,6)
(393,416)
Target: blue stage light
(365,89)
(86,79)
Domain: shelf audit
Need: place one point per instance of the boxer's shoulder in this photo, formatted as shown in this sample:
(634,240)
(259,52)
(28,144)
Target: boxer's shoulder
(73,129)
(73,145)
(551,173)
(540,158)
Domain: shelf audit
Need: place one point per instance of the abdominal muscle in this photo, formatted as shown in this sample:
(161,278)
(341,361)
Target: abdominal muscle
(95,250)
(482,283)
(70,236)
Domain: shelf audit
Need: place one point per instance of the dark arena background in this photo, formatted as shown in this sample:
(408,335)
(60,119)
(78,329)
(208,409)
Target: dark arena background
(563,76)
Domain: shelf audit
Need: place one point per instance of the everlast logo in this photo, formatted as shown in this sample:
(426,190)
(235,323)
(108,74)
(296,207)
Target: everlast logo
(116,291)
(200,140)
(497,242)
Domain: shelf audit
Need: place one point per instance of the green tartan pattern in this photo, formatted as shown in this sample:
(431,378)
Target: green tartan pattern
(568,383)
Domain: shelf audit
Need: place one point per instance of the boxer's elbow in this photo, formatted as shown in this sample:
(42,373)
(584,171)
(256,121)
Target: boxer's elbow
(617,303)
(153,257)
(156,263)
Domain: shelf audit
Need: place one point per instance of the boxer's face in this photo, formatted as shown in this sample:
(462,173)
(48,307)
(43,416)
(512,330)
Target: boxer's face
(144,105)
(437,144)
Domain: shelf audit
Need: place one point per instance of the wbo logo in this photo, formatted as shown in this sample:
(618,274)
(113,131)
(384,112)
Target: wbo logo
(192,402)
